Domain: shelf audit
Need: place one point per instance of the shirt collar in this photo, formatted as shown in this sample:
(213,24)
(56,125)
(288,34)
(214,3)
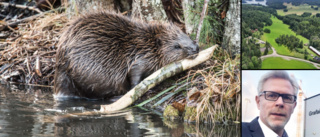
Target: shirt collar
(266,130)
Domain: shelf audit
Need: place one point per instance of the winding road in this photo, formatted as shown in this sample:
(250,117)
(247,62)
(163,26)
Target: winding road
(274,54)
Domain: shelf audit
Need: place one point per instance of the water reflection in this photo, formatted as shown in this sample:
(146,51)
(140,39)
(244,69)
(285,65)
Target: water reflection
(33,112)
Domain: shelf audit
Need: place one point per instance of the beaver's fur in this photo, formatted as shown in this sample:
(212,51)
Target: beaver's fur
(103,54)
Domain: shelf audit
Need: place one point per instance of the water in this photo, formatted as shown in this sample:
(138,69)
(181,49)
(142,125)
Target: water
(34,112)
(256,2)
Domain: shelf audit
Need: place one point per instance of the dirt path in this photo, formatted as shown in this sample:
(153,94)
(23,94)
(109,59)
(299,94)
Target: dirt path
(259,40)
(274,54)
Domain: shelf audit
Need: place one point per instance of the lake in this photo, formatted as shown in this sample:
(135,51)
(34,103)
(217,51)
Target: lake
(264,2)
(32,111)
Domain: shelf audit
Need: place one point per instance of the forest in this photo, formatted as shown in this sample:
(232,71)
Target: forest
(291,42)
(255,22)
(254,18)
(307,26)
(278,4)
(250,55)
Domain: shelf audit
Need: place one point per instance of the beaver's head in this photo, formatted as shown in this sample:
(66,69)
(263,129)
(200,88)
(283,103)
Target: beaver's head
(176,45)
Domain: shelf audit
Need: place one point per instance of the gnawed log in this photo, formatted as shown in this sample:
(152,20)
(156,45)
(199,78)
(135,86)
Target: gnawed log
(156,78)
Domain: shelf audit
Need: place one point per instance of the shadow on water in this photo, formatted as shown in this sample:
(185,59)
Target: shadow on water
(34,112)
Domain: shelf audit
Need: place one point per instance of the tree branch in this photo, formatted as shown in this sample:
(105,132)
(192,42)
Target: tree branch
(155,78)
(21,6)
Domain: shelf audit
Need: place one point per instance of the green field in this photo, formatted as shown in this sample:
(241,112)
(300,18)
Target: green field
(280,63)
(298,9)
(278,28)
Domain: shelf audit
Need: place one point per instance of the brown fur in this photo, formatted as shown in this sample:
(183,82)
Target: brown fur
(103,54)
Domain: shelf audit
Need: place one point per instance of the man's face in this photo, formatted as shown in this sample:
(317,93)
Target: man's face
(275,114)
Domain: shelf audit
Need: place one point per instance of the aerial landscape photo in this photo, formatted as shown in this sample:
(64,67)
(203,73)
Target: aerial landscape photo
(280,34)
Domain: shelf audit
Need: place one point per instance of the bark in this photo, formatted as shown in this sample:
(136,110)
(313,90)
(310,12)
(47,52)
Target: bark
(203,14)
(174,12)
(149,10)
(156,78)
(231,37)
(77,7)
(188,17)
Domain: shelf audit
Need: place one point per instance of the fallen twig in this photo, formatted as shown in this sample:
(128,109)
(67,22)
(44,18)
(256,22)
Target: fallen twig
(38,67)
(35,85)
(155,79)
(4,26)
(21,6)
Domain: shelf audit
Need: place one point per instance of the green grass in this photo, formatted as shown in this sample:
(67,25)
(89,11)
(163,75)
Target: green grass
(280,63)
(298,9)
(278,28)
(270,51)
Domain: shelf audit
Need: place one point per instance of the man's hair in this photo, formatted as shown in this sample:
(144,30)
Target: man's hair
(278,74)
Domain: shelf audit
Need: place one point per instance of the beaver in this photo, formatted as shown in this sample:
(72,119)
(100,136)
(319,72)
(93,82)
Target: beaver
(105,54)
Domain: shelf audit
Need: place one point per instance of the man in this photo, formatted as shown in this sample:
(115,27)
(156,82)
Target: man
(276,100)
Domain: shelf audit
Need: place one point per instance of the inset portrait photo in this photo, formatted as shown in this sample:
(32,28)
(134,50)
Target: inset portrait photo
(279,103)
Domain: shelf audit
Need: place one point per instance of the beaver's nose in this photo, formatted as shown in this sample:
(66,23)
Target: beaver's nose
(195,50)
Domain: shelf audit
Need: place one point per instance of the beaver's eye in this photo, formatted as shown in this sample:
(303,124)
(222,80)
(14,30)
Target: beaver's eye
(177,46)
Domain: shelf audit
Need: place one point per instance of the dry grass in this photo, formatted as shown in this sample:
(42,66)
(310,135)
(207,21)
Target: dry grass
(219,100)
(29,51)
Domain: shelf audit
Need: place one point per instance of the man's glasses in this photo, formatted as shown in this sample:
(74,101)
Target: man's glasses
(273,96)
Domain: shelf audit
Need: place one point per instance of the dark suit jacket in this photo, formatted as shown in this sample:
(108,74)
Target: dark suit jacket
(253,129)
